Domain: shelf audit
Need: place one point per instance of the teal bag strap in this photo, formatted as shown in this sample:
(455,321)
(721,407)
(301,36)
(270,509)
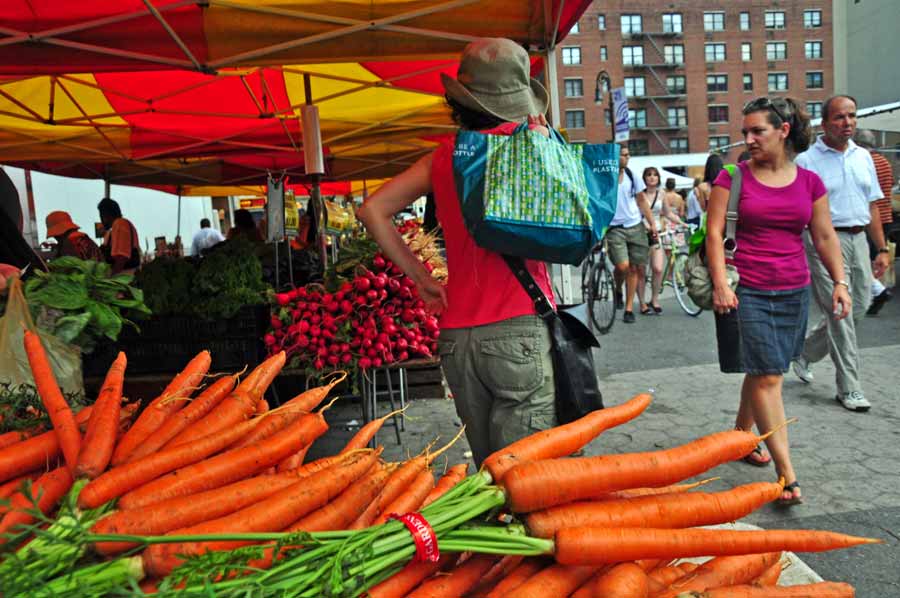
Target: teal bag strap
(554,134)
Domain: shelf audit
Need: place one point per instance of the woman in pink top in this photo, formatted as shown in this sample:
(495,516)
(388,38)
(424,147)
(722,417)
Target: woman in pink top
(778,201)
(495,350)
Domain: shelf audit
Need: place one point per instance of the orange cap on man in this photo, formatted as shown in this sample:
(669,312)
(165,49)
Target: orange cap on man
(59,223)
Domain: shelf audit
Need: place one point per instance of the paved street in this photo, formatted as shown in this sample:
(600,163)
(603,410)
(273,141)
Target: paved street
(848,463)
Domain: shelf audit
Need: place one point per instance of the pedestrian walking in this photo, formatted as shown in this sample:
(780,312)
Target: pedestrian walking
(627,238)
(778,200)
(495,350)
(698,198)
(659,202)
(849,175)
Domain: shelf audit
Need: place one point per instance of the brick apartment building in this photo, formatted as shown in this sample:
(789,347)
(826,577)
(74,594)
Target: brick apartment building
(689,66)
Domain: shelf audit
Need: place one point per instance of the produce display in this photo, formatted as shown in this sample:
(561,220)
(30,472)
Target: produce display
(210,496)
(367,313)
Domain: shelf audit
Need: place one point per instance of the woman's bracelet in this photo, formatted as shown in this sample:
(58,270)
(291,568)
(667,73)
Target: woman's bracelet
(843,282)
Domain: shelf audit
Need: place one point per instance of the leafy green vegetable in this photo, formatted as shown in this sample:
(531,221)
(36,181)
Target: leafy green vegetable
(21,407)
(80,302)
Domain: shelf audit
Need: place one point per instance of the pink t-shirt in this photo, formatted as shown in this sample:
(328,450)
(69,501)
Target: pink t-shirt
(770,253)
(481,287)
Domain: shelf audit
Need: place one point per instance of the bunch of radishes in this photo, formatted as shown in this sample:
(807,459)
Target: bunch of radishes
(374,319)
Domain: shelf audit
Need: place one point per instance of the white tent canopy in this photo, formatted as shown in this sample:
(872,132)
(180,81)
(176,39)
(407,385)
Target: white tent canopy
(637,164)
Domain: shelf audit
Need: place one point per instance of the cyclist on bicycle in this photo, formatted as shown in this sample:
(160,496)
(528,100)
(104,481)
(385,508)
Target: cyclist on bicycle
(662,215)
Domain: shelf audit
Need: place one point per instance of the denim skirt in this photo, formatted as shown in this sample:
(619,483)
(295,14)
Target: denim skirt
(765,332)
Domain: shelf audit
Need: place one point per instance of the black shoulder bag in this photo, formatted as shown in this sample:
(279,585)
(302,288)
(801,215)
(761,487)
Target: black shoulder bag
(577,392)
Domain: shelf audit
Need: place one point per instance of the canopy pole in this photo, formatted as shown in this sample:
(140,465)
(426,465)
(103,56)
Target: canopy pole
(178,225)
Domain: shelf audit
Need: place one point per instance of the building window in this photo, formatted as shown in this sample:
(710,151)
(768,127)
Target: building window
(632,55)
(812,19)
(574,28)
(638,147)
(746,51)
(637,119)
(677,117)
(778,81)
(601,22)
(714,52)
(714,21)
(814,80)
(813,50)
(574,119)
(676,84)
(674,54)
(571,56)
(634,87)
(745,21)
(814,109)
(717,141)
(631,24)
(716,83)
(774,19)
(748,82)
(776,51)
(600,90)
(672,22)
(678,145)
(718,114)
(574,88)
(604,54)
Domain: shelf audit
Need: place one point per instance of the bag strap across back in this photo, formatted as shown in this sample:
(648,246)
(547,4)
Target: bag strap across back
(541,304)
(731,213)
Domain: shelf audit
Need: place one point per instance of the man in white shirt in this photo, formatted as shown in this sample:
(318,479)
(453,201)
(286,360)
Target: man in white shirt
(205,238)
(626,238)
(849,175)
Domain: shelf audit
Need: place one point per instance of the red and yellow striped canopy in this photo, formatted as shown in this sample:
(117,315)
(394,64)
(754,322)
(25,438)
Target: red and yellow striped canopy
(199,94)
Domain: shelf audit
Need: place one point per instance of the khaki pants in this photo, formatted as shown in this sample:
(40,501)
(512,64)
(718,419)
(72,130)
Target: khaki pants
(837,338)
(501,376)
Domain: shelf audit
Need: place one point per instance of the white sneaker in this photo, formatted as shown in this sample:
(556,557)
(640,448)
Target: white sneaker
(854,401)
(801,368)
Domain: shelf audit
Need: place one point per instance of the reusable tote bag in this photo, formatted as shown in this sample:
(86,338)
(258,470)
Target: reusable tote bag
(535,197)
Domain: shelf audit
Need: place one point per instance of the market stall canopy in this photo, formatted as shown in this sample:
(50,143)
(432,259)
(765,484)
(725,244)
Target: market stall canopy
(56,37)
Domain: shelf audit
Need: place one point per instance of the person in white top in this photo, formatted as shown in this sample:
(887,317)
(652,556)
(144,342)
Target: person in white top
(657,199)
(626,238)
(205,238)
(849,175)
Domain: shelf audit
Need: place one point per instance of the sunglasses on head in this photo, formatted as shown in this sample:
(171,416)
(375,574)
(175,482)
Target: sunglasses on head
(765,104)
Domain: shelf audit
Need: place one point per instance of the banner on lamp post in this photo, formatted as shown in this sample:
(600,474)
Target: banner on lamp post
(620,114)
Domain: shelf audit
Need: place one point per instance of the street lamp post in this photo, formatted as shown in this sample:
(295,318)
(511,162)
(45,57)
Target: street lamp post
(603,77)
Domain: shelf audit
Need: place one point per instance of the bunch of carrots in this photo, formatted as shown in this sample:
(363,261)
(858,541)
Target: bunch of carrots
(208,492)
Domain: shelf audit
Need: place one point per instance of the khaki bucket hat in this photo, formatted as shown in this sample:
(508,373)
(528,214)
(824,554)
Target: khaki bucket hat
(494,77)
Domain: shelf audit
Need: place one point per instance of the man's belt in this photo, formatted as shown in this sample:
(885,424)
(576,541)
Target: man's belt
(853,230)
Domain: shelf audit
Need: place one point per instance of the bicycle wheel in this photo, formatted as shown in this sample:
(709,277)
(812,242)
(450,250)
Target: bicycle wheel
(684,300)
(587,266)
(601,297)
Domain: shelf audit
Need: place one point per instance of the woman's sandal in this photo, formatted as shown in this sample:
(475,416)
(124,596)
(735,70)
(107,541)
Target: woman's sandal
(645,310)
(757,458)
(656,308)
(793,488)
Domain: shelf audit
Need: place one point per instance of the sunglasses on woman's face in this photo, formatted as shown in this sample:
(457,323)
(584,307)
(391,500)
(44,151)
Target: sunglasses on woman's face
(764,104)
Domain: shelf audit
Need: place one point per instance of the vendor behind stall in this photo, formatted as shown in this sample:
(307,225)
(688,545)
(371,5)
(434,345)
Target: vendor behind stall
(69,240)
(121,247)
(245,227)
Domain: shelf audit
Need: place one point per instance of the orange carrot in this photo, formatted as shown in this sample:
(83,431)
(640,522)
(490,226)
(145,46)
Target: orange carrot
(826,589)
(405,580)
(595,545)
(454,475)
(586,590)
(47,491)
(54,402)
(13,485)
(501,569)
(665,576)
(340,512)
(184,511)
(227,467)
(266,373)
(368,515)
(365,434)
(35,453)
(163,406)
(235,408)
(410,499)
(457,581)
(555,581)
(723,571)
(393,488)
(564,440)
(626,580)
(310,399)
(519,575)
(673,489)
(687,567)
(11,438)
(664,511)
(100,438)
(181,419)
(270,424)
(541,484)
(271,514)
(294,461)
(262,406)
(769,577)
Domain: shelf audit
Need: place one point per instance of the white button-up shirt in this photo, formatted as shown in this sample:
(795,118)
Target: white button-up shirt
(849,177)
(204,239)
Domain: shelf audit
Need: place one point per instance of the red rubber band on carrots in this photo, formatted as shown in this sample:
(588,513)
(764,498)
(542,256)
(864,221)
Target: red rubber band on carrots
(423,537)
